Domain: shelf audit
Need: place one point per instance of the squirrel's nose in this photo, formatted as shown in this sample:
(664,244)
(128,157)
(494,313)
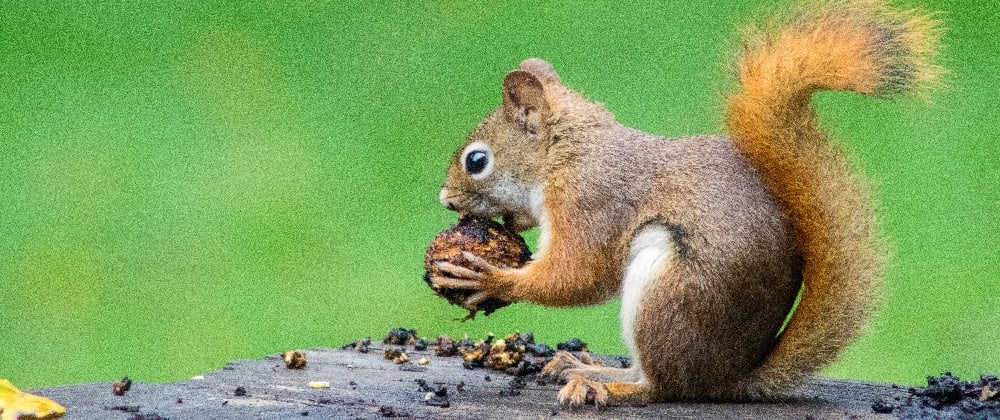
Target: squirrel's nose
(444,199)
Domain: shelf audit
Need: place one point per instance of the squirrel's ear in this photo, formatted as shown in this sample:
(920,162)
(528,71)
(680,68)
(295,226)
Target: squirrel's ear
(540,69)
(524,101)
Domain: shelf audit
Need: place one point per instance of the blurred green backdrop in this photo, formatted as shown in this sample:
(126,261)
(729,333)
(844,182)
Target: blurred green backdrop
(185,183)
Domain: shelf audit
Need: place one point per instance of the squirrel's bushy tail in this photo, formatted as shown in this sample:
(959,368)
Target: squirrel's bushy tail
(861,46)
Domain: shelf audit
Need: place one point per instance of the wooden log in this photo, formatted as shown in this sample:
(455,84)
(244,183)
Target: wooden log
(365,385)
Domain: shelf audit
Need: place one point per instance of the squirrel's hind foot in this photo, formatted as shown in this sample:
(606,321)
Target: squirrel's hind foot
(580,391)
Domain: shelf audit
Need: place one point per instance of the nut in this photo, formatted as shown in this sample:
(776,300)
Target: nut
(484,238)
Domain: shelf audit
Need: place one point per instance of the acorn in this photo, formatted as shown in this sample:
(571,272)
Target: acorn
(485,238)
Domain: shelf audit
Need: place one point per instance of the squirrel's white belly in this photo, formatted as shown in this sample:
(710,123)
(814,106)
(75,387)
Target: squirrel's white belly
(649,254)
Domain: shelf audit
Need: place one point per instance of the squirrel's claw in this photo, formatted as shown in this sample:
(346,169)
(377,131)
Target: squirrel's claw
(478,263)
(439,282)
(458,271)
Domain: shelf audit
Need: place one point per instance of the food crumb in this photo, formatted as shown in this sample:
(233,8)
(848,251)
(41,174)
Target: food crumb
(444,346)
(434,397)
(295,359)
(361,345)
(120,387)
(573,344)
(401,337)
(396,355)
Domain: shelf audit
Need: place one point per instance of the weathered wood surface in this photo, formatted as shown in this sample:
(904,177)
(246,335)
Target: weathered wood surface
(364,385)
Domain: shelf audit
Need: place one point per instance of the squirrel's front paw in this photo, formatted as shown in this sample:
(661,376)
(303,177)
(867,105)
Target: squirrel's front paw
(455,277)
(488,279)
(580,391)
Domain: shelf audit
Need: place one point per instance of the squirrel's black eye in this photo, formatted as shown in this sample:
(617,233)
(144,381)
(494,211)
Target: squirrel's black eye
(476,161)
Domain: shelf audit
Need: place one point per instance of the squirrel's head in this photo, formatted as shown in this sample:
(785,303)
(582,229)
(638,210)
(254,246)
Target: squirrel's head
(500,169)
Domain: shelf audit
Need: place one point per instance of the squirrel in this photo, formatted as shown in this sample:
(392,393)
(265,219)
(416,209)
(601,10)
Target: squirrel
(744,261)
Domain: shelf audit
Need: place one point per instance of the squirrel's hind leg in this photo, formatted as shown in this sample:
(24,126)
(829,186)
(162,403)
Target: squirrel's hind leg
(651,252)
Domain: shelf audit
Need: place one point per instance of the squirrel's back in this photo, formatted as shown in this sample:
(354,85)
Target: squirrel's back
(861,46)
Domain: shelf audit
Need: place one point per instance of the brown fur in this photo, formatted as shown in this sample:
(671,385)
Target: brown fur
(864,47)
(751,216)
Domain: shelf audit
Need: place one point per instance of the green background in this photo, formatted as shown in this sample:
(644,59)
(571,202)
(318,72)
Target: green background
(188,183)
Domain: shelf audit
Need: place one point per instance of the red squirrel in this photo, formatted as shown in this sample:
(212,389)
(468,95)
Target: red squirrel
(707,240)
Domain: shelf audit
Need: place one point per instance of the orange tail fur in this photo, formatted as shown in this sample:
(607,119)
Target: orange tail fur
(861,46)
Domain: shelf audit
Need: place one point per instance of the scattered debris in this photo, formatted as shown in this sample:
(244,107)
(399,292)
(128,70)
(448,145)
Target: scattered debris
(361,346)
(121,386)
(240,392)
(501,357)
(514,388)
(434,397)
(396,355)
(147,416)
(295,359)
(508,355)
(540,350)
(990,391)
(525,368)
(444,346)
(516,354)
(421,345)
(388,411)
(573,344)
(124,408)
(946,396)
(401,337)
(473,356)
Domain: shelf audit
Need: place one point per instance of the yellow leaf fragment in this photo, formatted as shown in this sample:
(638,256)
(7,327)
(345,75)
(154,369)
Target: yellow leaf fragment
(15,405)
